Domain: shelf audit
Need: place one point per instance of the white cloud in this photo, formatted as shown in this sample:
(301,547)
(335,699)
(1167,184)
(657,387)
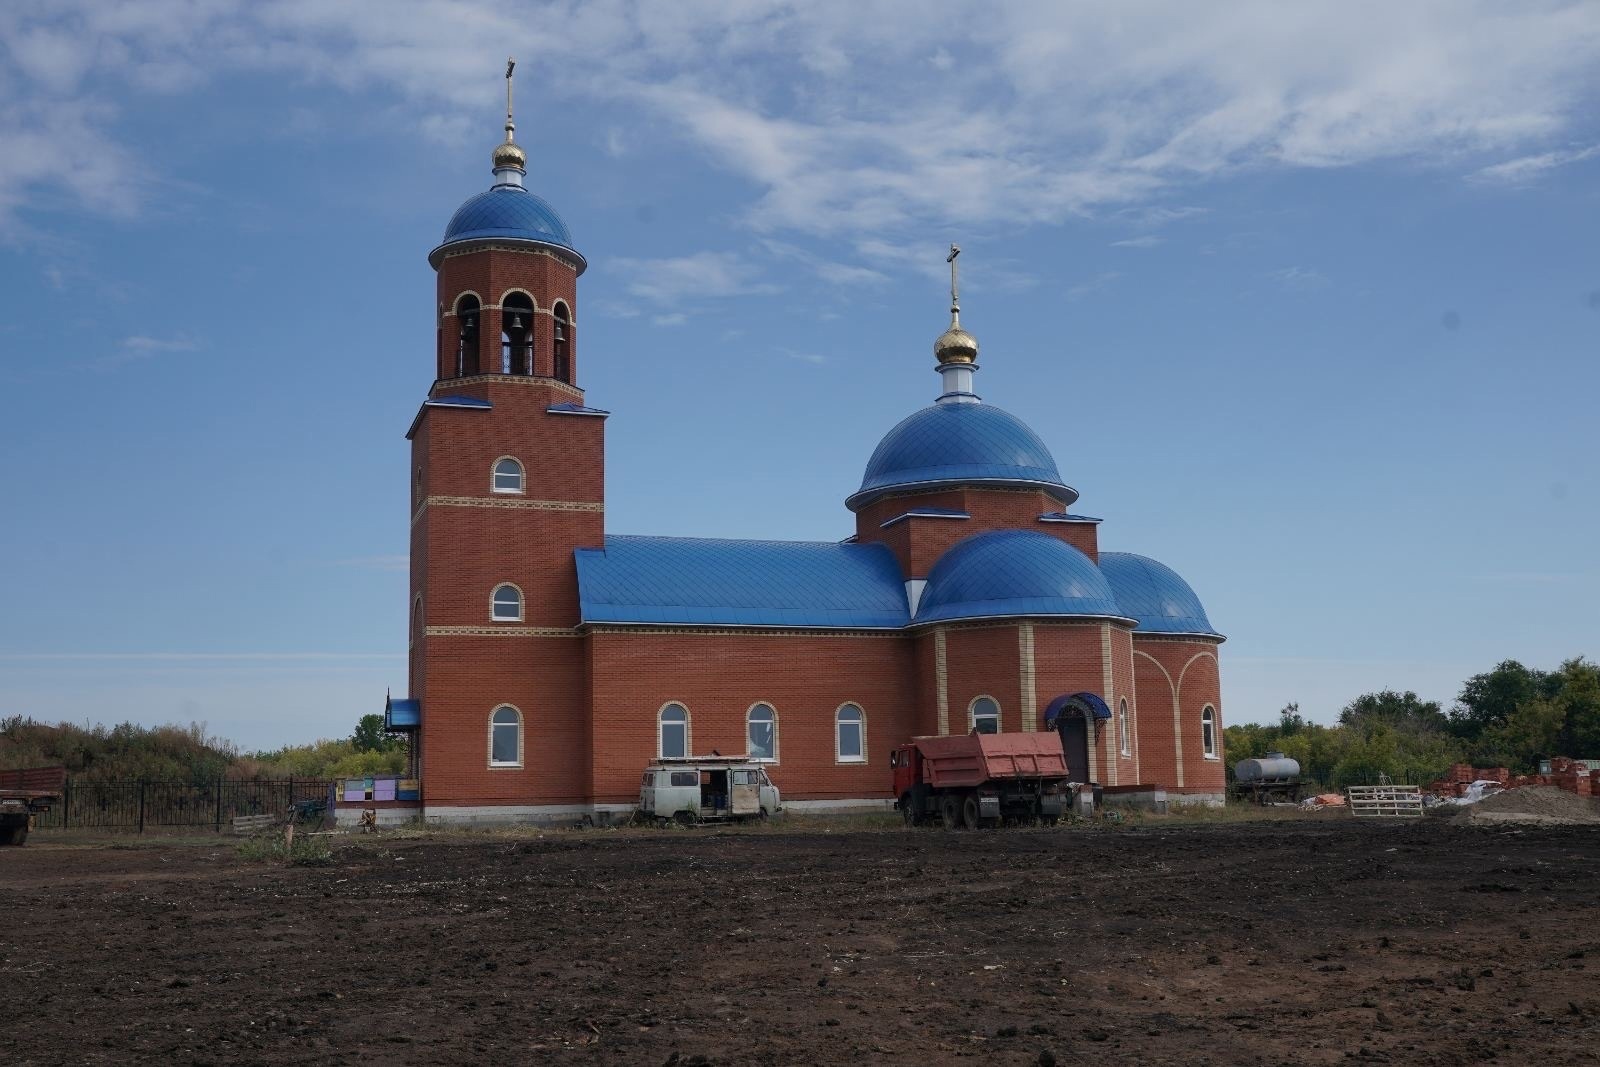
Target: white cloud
(849,118)
(1097,284)
(1149,240)
(699,276)
(1301,278)
(156,344)
(1528,168)
(675,318)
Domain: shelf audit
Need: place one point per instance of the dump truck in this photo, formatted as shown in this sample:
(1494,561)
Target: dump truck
(24,794)
(981,779)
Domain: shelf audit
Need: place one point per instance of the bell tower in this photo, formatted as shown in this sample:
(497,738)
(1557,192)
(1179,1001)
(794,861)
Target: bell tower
(507,481)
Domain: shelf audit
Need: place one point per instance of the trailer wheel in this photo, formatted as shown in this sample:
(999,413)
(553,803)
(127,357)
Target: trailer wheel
(969,811)
(950,812)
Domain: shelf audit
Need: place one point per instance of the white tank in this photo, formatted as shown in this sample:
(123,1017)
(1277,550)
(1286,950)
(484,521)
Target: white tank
(1272,765)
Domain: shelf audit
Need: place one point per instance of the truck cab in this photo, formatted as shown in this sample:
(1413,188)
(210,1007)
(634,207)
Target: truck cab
(696,789)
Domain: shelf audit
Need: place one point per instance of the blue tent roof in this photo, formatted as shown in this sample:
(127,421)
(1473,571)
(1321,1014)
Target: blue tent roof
(960,443)
(686,581)
(507,212)
(1015,572)
(1154,595)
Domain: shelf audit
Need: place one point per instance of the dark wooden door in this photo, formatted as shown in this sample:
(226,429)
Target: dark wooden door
(1075,744)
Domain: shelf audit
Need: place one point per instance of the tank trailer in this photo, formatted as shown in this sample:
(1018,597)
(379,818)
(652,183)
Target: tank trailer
(981,779)
(1271,777)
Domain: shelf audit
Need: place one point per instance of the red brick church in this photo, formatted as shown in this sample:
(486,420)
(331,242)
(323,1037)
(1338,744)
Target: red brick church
(551,659)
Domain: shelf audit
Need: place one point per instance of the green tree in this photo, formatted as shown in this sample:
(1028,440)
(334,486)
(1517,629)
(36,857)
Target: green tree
(370,736)
(1489,700)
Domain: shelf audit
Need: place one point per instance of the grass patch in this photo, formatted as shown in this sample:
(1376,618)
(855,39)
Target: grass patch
(306,851)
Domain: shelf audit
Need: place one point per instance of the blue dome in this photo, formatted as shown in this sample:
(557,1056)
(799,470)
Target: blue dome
(1014,572)
(1155,595)
(956,443)
(508,212)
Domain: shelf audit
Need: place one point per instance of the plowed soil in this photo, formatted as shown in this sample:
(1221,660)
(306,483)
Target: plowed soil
(1319,940)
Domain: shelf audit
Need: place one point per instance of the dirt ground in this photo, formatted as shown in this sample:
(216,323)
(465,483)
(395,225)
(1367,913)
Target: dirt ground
(1313,940)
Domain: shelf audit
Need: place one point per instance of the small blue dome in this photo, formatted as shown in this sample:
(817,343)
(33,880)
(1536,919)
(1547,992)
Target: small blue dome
(956,443)
(1014,572)
(1155,595)
(508,212)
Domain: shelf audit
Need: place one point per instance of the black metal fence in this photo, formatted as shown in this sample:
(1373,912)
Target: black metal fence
(139,804)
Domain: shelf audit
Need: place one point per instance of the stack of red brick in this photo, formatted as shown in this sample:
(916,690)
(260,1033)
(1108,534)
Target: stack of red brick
(1565,773)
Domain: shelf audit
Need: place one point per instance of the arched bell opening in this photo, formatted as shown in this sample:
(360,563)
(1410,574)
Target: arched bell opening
(516,335)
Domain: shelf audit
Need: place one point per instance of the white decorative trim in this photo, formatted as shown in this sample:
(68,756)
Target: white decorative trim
(510,379)
(493,766)
(999,713)
(505,502)
(941,675)
(500,631)
(1030,695)
(522,602)
(522,476)
(646,629)
(1109,685)
(853,760)
(1177,716)
(823,807)
(777,752)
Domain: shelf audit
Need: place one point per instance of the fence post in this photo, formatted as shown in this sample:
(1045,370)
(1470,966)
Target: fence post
(219,803)
(141,805)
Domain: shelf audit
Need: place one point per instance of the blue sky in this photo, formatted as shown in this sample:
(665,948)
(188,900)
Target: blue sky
(1304,298)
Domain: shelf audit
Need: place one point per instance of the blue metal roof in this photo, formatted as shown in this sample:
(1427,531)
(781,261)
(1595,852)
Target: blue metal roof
(687,581)
(1015,572)
(401,716)
(1155,595)
(458,402)
(1062,516)
(1097,707)
(508,212)
(960,443)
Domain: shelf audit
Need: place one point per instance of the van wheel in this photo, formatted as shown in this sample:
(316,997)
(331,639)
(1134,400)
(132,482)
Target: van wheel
(950,813)
(969,811)
(684,818)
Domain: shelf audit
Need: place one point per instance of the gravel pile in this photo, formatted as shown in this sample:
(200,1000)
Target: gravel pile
(1535,804)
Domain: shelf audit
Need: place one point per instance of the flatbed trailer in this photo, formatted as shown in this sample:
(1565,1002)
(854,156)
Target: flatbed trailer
(24,794)
(1269,790)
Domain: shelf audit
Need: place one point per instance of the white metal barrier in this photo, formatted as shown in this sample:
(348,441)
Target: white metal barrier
(1390,801)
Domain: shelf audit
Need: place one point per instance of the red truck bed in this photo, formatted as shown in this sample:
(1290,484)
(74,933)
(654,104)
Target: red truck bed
(34,782)
(967,761)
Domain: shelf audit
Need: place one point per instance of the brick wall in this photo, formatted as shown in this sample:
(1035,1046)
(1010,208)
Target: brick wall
(918,542)
(1191,666)
(490,273)
(717,676)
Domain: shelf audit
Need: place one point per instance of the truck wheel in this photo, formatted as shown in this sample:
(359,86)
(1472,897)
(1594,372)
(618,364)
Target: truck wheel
(907,812)
(950,813)
(969,811)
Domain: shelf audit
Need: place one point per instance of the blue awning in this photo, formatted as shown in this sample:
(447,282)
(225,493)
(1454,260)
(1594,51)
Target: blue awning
(1083,700)
(402,716)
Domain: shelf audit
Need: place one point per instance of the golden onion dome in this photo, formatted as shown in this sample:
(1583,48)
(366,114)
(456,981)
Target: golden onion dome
(956,345)
(510,154)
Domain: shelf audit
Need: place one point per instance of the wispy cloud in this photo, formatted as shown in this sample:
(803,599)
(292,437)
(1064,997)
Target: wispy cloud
(1149,240)
(1526,169)
(1097,284)
(700,276)
(675,318)
(830,271)
(1302,279)
(842,118)
(151,345)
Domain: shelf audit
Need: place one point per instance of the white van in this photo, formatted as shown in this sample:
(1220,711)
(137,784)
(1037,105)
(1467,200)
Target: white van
(694,789)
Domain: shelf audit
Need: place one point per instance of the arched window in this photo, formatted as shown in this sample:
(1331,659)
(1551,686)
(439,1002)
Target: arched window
(672,730)
(761,732)
(467,336)
(849,735)
(505,737)
(1208,731)
(507,475)
(985,715)
(506,605)
(1122,728)
(516,334)
(563,342)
